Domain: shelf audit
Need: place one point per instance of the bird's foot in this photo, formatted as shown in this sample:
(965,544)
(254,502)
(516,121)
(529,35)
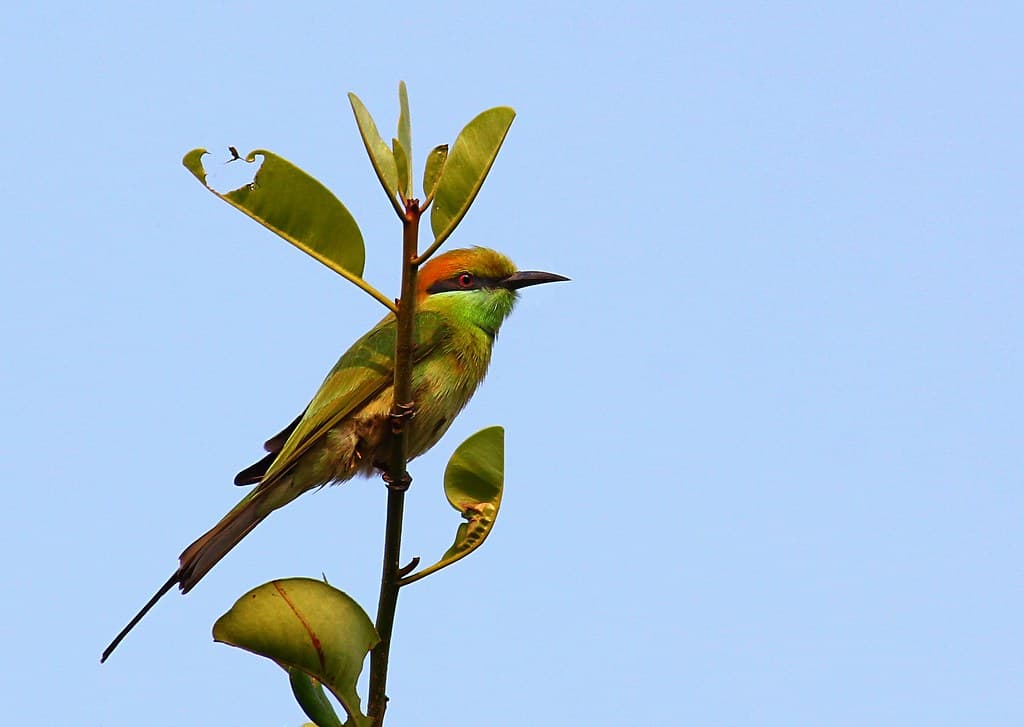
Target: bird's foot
(399,485)
(400,415)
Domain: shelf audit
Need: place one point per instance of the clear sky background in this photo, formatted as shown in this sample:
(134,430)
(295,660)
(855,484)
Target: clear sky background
(764,459)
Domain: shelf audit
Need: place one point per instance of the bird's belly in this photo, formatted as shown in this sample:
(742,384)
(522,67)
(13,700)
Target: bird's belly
(361,444)
(438,402)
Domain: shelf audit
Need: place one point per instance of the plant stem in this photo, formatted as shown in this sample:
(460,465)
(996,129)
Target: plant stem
(396,476)
(432,249)
(386,607)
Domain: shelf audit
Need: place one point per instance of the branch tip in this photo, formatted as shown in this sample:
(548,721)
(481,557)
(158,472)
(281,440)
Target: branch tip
(408,568)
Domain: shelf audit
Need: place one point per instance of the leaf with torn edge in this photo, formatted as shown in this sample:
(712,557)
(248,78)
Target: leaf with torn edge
(294,205)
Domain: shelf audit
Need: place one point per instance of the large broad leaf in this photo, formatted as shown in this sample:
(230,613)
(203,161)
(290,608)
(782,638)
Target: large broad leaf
(305,624)
(381,156)
(467,165)
(473,482)
(286,200)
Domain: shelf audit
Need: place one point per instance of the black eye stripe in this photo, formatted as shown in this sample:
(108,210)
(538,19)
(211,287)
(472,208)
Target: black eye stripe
(452,283)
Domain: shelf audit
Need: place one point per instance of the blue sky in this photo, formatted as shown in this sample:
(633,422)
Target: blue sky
(763,453)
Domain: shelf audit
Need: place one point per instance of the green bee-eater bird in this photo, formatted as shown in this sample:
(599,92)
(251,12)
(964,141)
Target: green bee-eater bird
(461,300)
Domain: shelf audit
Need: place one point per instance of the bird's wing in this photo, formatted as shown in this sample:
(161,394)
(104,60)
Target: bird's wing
(254,473)
(274,444)
(360,375)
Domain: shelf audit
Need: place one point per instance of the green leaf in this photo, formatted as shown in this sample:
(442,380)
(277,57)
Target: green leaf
(405,132)
(294,205)
(473,482)
(402,165)
(433,168)
(310,696)
(467,165)
(381,157)
(305,624)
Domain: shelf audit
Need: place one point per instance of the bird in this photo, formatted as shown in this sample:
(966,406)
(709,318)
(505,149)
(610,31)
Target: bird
(462,298)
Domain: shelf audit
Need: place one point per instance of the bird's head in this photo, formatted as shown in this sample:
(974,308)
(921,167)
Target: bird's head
(477,284)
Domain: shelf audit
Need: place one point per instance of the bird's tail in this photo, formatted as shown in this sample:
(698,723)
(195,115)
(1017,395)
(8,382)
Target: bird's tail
(198,558)
(138,617)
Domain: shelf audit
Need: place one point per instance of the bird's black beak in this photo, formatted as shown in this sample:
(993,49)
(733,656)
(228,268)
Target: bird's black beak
(526,278)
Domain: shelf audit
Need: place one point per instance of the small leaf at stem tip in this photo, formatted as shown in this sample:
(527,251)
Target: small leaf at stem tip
(292,204)
(381,157)
(433,168)
(405,132)
(402,165)
(304,624)
(467,166)
(473,483)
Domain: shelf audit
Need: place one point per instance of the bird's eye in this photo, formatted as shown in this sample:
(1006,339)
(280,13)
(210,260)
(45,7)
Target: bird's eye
(465,280)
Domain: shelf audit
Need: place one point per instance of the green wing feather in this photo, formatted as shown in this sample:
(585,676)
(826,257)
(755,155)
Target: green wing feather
(361,374)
